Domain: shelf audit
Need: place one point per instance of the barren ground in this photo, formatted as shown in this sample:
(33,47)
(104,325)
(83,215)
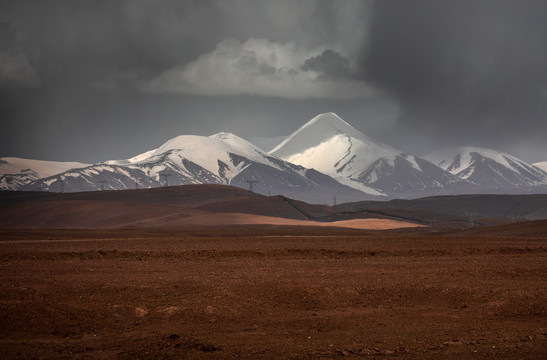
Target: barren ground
(262,293)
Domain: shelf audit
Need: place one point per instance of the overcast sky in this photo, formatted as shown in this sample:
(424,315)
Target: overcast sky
(91,80)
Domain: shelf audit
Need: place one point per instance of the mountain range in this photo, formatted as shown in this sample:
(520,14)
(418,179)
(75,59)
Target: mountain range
(324,161)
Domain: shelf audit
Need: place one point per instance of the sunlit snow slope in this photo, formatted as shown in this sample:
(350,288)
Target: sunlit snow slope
(330,145)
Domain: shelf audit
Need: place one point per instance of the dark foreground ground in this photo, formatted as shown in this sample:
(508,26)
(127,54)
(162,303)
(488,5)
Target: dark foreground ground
(271,293)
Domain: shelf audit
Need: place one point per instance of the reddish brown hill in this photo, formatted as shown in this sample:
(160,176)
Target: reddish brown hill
(169,207)
(145,207)
(88,214)
(186,196)
(206,205)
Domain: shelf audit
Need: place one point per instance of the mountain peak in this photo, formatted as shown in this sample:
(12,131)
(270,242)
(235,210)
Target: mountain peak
(328,117)
(237,143)
(454,159)
(224,135)
(318,130)
(330,145)
(330,124)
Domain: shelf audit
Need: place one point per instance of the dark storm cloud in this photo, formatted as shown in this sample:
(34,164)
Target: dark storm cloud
(84,39)
(75,71)
(329,63)
(89,56)
(464,71)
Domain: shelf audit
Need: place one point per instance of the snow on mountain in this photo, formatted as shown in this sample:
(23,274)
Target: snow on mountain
(17,172)
(132,160)
(42,168)
(330,145)
(222,158)
(489,168)
(542,165)
(210,152)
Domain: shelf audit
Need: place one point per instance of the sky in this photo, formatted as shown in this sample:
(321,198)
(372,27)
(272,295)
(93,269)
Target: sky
(93,80)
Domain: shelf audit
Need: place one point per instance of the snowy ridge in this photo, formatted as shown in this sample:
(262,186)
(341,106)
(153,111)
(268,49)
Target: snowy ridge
(42,168)
(488,167)
(134,159)
(222,158)
(17,172)
(208,151)
(459,158)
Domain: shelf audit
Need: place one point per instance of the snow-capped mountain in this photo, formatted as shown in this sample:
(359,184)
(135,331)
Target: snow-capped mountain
(542,165)
(219,159)
(330,145)
(323,159)
(17,172)
(490,169)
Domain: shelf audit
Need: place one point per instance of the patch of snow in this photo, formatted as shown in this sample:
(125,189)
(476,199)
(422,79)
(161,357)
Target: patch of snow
(412,160)
(133,160)
(542,165)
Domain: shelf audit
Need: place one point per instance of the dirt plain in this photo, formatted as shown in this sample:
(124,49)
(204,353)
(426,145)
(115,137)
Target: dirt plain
(271,293)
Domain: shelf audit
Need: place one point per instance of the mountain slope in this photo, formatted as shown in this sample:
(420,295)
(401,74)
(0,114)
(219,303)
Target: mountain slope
(330,145)
(219,159)
(490,169)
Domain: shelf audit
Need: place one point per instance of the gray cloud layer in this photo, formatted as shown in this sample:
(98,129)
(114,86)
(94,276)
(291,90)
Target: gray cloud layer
(417,74)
